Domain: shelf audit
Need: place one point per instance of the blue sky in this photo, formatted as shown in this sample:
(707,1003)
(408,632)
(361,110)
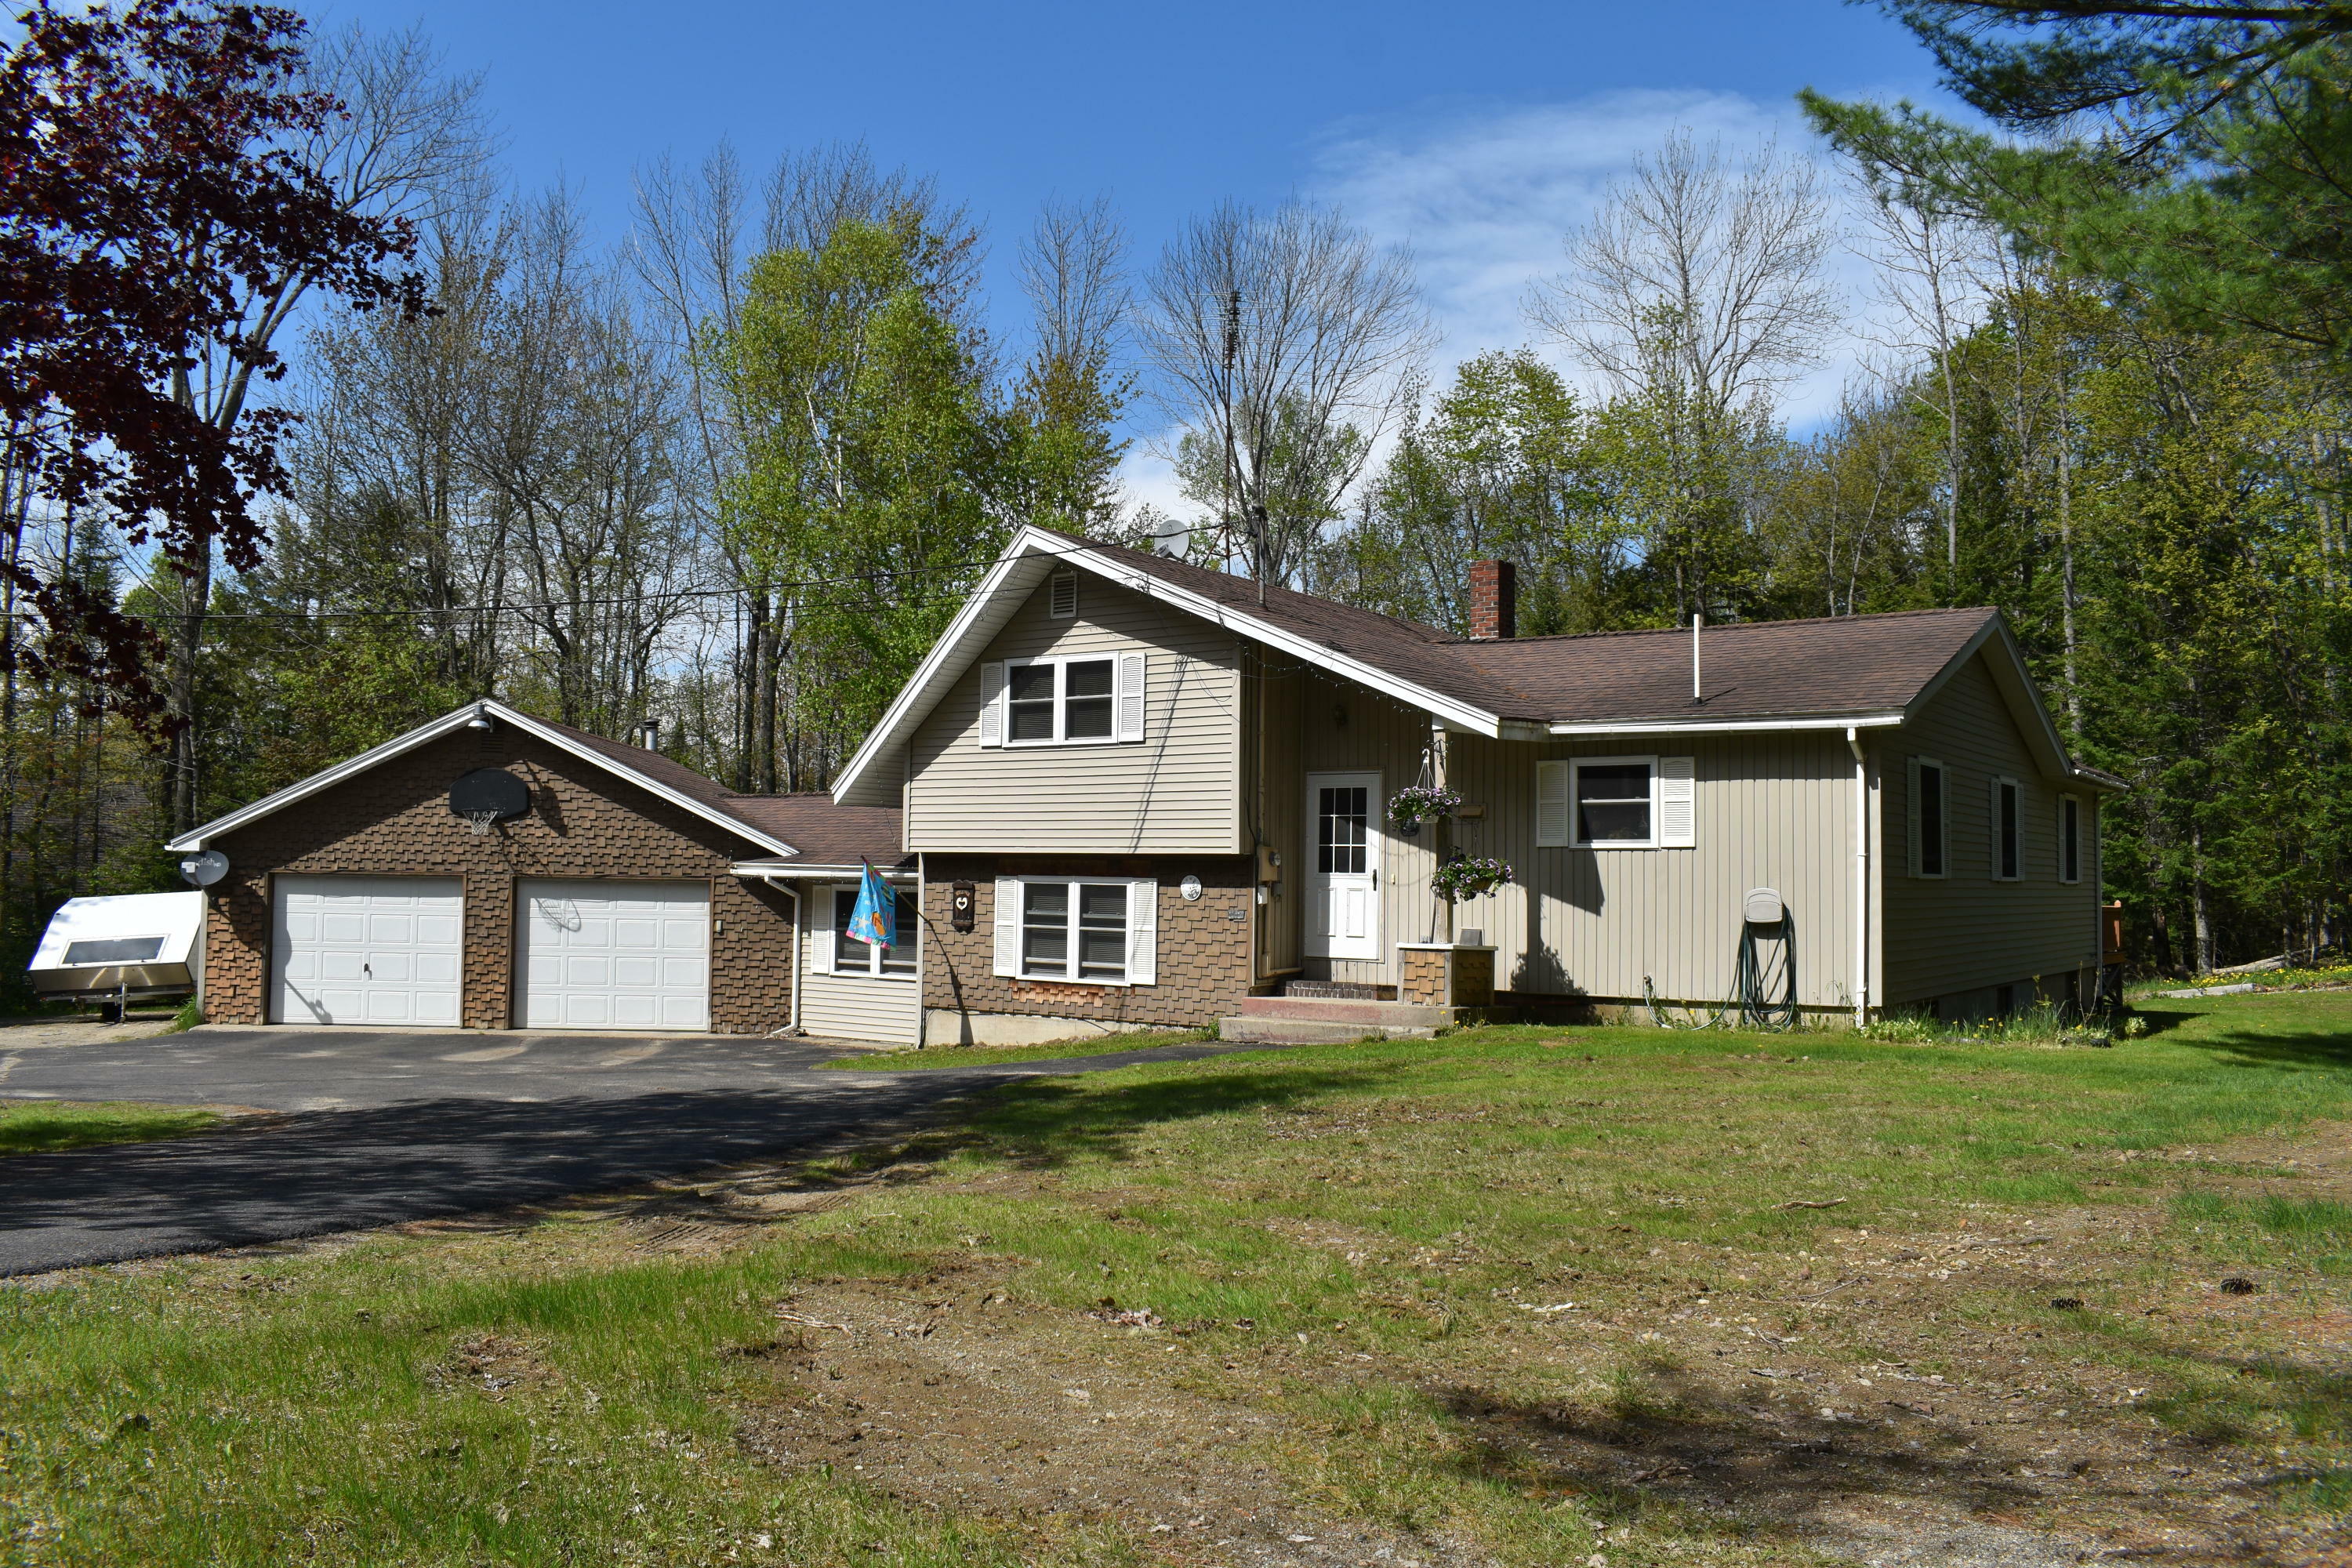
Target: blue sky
(1478,136)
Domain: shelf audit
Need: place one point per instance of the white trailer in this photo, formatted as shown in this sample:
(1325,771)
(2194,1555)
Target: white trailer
(128,948)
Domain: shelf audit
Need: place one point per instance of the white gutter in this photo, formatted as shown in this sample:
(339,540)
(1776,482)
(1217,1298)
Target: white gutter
(1847,722)
(1861,875)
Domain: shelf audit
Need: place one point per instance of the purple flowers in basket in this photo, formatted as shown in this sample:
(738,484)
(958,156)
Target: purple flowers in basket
(1467,877)
(1416,803)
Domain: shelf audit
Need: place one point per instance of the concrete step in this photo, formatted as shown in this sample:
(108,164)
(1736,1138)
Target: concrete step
(1310,1032)
(1335,1010)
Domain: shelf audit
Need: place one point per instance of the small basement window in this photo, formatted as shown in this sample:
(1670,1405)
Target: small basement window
(2008,830)
(1073,930)
(1614,804)
(851,956)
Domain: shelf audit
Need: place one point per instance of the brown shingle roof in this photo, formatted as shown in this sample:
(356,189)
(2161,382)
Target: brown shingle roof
(824,833)
(1750,669)
(1754,669)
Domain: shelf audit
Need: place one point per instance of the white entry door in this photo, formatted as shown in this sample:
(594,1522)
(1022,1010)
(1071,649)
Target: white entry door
(615,955)
(1343,867)
(366,950)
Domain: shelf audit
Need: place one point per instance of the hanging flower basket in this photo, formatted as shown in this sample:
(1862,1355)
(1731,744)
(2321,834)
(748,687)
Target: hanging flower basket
(1468,877)
(1416,803)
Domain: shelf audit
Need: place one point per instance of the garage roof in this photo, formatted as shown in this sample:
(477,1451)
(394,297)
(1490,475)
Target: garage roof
(792,827)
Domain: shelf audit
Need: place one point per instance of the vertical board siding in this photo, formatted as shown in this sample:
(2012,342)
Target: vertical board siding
(1178,791)
(1771,811)
(851,1006)
(1966,931)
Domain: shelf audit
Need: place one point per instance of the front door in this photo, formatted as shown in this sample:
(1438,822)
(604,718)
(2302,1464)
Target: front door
(1343,873)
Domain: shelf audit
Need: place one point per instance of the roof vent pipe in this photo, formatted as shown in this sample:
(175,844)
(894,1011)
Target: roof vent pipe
(1494,600)
(1698,692)
(650,734)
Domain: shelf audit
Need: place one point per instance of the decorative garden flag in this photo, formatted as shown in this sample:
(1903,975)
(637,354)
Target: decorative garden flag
(875,921)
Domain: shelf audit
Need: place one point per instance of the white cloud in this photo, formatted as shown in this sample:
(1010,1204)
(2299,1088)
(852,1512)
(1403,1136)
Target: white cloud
(1483,197)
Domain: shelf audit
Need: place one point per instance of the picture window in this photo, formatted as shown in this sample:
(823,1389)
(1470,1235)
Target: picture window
(1073,930)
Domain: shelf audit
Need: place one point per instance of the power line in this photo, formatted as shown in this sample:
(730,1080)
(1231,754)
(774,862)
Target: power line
(526,606)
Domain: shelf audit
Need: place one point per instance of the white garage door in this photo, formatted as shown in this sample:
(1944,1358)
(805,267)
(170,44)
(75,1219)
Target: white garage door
(615,955)
(367,949)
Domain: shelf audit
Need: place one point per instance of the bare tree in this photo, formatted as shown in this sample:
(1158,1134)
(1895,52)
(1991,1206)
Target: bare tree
(410,138)
(1721,263)
(1284,344)
(697,231)
(1073,387)
(1929,260)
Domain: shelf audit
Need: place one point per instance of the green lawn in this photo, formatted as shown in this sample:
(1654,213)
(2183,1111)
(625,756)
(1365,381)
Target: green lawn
(42,1126)
(1376,1247)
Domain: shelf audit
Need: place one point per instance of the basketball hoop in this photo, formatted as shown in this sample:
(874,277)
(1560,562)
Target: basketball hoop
(481,822)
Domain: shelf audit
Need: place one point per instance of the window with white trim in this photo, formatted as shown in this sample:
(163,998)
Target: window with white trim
(1086,931)
(2070,838)
(1617,803)
(2008,830)
(851,956)
(1929,817)
(1067,700)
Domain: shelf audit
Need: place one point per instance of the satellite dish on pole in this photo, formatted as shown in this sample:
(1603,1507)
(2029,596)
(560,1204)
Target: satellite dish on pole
(204,867)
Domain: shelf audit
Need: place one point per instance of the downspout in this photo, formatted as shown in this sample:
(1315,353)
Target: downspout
(793,1026)
(1861,877)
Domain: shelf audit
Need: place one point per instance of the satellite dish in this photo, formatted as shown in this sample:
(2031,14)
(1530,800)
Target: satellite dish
(204,867)
(1170,535)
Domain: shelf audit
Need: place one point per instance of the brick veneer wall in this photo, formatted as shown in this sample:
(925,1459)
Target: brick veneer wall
(1204,965)
(394,820)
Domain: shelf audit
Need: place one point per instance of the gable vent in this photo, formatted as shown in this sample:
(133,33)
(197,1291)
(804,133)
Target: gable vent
(1062,600)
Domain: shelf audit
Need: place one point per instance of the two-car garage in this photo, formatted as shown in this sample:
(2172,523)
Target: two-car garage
(591,954)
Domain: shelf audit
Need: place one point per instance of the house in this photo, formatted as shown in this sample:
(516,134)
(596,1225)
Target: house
(1122,790)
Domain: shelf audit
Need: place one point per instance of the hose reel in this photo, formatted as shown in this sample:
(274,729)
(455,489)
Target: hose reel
(1764,974)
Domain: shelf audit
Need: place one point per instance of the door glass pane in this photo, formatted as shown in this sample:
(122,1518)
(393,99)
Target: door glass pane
(1045,929)
(1102,930)
(1087,715)
(1343,830)
(1612,804)
(1030,688)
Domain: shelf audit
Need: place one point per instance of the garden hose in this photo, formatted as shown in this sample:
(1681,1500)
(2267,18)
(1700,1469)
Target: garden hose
(1754,979)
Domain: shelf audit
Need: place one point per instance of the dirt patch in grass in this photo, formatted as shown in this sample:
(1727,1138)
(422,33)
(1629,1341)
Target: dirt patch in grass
(956,1397)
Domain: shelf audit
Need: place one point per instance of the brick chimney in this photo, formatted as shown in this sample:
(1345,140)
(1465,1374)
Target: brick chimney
(1493,599)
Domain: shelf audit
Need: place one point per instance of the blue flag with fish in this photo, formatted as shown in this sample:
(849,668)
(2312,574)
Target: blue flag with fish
(875,921)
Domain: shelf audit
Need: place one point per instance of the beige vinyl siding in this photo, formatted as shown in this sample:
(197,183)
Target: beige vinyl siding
(850,1006)
(1774,810)
(1176,792)
(1966,931)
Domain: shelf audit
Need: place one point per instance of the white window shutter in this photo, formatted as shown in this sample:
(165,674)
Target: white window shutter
(1008,925)
(1551,805)
(1130,696)
(1911,818)
(991,704)
(1143,934)
(1677,803)
(821,948)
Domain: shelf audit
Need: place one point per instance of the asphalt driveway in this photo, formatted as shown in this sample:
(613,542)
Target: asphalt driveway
(380,1128)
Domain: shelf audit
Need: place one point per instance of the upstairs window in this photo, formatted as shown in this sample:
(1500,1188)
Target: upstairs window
(1929,817)
(2008,830)
(1063,701)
